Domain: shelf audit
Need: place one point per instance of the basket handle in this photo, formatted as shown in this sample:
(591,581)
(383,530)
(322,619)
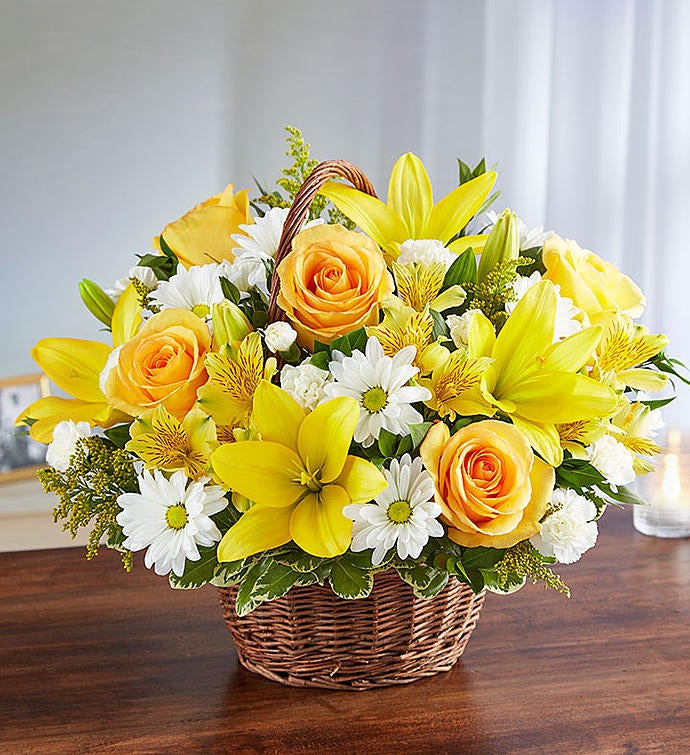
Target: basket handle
(299,211)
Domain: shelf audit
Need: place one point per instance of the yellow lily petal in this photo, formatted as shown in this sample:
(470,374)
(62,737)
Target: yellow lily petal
(325,436)
(643,380)
(563,397)
(527,333)
(362,480)
(259,529)
(265,472)
(73,365)
(410,195)
(481,336)
(374,217)
(455,210)
(476,243)
(572,353)
(318,524)
(277,416)
(543,438)
(126,317)
(50,410)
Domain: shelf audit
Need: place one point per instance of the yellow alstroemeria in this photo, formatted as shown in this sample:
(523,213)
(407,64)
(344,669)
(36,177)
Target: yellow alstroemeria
(300,477)
(623,347)
(411,212)
(233,377)
(576,436)
(419,286)
(534,381)
(75,366)
(630,425)
(403,326)
(162,441)
(204,234)
(454,386)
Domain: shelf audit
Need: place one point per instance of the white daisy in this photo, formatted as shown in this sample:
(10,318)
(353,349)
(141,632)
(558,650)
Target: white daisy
(170,519)
(566,312)
(403,514)
(256,249)
(196,289)
(379,383)
(569,530)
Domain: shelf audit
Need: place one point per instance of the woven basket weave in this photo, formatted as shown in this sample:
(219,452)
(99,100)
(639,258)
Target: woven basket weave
(312,638)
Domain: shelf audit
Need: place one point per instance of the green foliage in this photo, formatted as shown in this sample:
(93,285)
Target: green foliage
(463,270)
(356,340)
(98,473)
(118,435)
(163,265)
(585,479)
(670,366)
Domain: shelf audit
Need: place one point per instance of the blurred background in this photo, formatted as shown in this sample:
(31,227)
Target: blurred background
(117,117)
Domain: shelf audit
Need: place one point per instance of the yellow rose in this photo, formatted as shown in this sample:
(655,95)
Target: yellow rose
(203,234)
(491,487)
(596,286)
(332,282)
(163,365)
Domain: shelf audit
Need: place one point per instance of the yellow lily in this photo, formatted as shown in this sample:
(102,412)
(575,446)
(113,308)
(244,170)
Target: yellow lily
(300,477)
(411,212)
(75,366)
(204,234)
(535,382)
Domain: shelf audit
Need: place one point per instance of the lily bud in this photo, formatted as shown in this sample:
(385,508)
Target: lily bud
(229,323)
(502,244)
(97,301)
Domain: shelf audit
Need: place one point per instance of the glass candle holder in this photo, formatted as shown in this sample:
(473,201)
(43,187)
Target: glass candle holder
(667,492)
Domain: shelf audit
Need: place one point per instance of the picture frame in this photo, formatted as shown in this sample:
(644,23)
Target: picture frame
(20,455)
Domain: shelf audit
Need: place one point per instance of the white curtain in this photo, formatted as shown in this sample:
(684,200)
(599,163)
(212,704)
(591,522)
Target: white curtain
(117,117)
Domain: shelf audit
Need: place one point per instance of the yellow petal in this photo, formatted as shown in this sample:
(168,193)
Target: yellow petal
(644,380)
(543,438)
(126,317)
(432,445)
(572,353)
(259,529)
(370,214)
(325,437)
(527,333)
(73,365)
(454,211)
(451,297)
(361,479)
(318,524)
(476,243)
(277,416)
(50,410)
(267,473)
(481,336)
(409,194)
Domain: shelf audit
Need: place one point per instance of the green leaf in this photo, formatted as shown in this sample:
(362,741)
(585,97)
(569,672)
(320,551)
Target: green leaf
(464,172)
(197,573)
(300,561)
(118,435)
(342,344)
(462,422)
(418,432)
(321,348)
(232,572)
(437,583)
(321,359)
(621,494)
(578,474)
(226,518)
(418,576)
(358,339)
(405,446)
(658,403)
(167,251)
(440,328)
(387,443)
(463,270)
(266,580)
(349,582)
(482,557)
(230,290)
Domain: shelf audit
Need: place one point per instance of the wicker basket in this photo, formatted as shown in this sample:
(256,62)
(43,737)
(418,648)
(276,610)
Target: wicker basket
(312,638)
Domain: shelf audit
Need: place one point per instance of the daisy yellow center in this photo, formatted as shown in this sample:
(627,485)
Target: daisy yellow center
(201,310)
(176,516)
(374,399)
(399,512)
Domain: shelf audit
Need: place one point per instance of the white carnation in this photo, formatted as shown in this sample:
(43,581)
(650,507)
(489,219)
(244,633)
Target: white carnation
(279,336)
(459,327)
(426,251)
(569,531)
(610,457)
(65,437)
(305,383)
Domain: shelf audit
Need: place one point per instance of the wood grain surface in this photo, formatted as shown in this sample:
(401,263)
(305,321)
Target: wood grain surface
(93,660)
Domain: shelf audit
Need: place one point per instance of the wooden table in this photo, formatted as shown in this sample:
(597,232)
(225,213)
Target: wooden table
(94,660)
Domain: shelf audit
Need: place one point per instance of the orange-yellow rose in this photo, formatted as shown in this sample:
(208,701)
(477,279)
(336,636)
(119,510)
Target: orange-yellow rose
(596,286)
(333,281)
(162,365)
(491,487)
(203,234)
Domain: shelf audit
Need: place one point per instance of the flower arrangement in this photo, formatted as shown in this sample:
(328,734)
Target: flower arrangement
(441,393)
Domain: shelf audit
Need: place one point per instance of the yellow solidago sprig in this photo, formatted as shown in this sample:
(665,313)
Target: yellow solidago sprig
(523,561)
(162,441)
(299,475)
(234,374)
(623,347)
(535,382)
(404,326)
(410,212)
